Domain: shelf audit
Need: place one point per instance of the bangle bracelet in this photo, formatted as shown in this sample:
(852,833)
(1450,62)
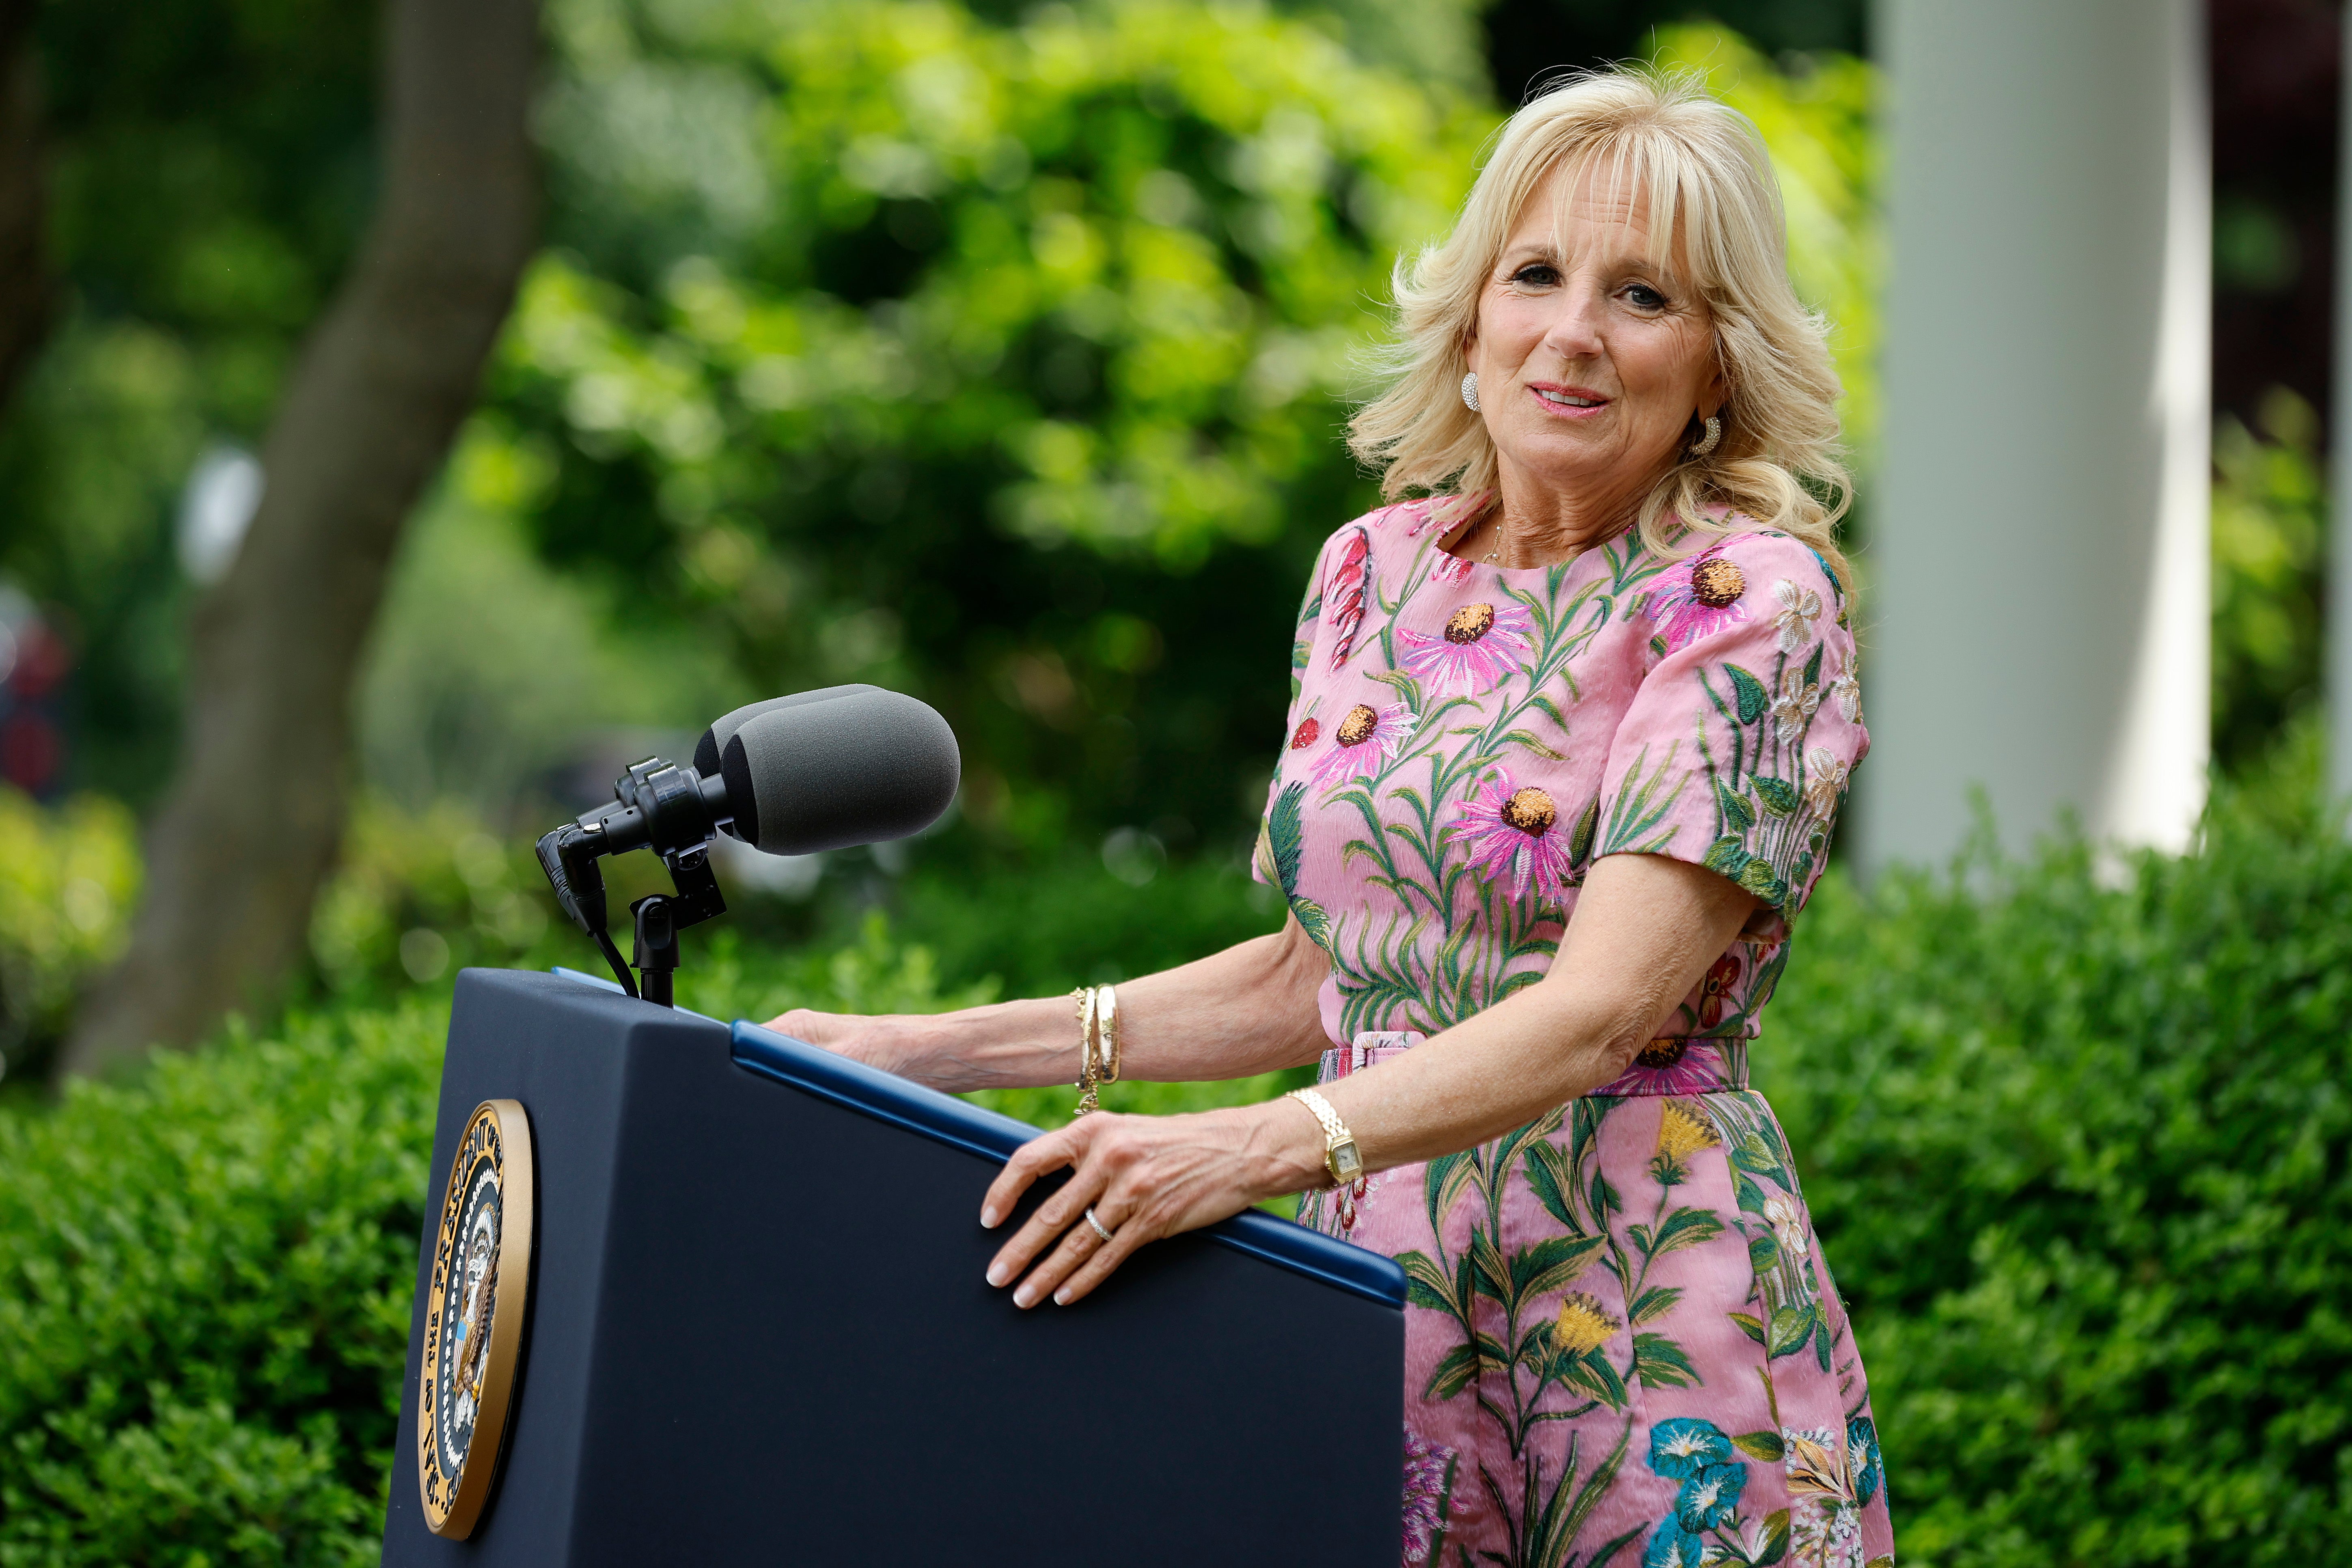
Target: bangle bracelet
(1090,1036)
(1097,1042)
(1106,1034)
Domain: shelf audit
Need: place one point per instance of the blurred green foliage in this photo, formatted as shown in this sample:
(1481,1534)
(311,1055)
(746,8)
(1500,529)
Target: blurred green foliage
(68,878)
(209,169)
(1000,363)
(2270,529)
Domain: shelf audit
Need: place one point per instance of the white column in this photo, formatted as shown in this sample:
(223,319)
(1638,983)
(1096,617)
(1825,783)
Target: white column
(2037,581)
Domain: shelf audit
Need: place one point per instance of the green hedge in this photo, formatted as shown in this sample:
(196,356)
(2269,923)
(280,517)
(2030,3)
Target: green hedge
(2078,1139)
(2074,1133)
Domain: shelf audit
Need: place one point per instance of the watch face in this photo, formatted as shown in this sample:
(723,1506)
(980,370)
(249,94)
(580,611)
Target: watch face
(1347,1163)
(473,1316)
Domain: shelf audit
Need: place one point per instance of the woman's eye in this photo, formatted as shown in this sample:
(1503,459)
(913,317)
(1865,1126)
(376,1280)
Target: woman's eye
(1536,275)
(1644,297)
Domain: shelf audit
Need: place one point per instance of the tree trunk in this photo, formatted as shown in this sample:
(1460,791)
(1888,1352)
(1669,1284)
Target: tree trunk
(26,294)
(251,823)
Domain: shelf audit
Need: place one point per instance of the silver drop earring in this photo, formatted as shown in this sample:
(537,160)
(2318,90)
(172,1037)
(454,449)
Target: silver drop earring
(1470,392)
(1705,444)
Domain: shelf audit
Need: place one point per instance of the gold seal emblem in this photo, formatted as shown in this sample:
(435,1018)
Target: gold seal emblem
(473,1316)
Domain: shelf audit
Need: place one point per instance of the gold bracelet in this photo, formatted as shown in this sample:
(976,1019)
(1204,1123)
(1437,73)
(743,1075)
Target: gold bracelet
(1107,1033)
(1089,1043)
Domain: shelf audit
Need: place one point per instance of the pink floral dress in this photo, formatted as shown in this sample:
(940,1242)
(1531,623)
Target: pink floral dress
(1623,1343)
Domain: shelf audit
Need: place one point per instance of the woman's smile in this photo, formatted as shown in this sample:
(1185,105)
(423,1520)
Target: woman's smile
(1568,402)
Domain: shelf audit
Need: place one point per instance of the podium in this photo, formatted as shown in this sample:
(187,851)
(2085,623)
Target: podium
(758,1331)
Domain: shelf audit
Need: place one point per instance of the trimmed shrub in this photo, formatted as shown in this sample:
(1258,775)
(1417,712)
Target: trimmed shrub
(2076,1138)
(204,1282)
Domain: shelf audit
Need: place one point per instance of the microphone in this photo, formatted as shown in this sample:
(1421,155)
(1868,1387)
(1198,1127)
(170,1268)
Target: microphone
(792,775)
(824,770)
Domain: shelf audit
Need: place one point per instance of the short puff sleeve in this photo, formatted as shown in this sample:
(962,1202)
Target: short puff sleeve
(1737,749)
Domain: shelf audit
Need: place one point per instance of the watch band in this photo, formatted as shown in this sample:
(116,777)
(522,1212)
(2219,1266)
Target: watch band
(1341,1158)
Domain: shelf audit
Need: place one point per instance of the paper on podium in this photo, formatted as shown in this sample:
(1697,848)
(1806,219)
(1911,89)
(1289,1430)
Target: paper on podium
(758,1332)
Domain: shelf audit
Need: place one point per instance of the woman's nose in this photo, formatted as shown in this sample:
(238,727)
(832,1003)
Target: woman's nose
(1574,330)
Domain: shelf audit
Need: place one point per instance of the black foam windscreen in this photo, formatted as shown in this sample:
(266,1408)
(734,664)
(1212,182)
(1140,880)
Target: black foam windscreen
(860,767)
(710,751)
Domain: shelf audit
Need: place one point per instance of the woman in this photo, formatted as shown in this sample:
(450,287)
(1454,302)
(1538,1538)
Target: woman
(1566,741)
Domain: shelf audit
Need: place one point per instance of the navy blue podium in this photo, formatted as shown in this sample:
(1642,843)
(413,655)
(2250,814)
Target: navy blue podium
(758,1332)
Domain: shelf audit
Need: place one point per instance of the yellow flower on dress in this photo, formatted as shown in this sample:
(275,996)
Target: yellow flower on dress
(1683,1132)
(1584,1325)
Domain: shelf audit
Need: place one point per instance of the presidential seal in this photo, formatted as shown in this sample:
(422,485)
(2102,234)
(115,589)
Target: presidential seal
(473,1316)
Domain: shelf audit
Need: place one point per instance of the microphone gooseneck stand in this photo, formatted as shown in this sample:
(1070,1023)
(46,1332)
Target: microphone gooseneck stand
(660,805)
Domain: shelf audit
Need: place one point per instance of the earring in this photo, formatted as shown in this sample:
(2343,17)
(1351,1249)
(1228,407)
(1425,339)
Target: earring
(1705,444)
(1470,392)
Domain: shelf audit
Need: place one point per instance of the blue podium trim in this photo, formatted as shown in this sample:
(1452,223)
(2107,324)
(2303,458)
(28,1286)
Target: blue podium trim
(960,1124)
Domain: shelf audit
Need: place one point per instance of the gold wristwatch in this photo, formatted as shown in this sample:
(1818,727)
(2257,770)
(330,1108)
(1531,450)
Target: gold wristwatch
(1340,1155)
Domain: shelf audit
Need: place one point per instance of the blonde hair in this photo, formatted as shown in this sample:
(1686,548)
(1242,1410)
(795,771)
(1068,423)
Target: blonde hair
(1714,203)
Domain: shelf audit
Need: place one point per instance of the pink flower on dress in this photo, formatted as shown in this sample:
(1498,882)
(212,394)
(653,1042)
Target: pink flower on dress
(1363,742)
(1701,597)
(1426,1467)
(1672,1066)
(1480,646)
(1450,569)
(1515,832)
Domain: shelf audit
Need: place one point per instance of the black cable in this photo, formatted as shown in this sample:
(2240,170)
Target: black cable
(613,956)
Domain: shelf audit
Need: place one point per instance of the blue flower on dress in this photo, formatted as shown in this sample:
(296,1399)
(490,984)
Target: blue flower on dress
(1685,1445)
(1710,1497)
(1861,1453)
(1673,1547)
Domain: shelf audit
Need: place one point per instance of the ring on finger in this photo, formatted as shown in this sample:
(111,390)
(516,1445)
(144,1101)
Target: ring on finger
(1097,1226)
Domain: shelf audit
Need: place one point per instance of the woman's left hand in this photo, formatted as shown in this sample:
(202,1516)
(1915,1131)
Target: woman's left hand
(1145,1177)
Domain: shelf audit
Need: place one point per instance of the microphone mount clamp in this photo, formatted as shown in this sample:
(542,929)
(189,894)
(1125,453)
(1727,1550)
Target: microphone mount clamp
(675,812)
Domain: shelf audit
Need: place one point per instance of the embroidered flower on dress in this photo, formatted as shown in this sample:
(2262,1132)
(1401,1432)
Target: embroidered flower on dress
(1847,692)
(1714,991)
(1701,597)
(1825,777)
(1788,1223)
(1710,1497)
(1862,1455)
(1516,832)
(1480,646)
(1672,1066)
(1682,1133)
(1363,742)
(1794,706)
(1304,736)
(1450,569)
(1673,1547)
(1799,608)
(1682,1445)
(1583,1327)
(1426,1467)
(1343,594)
(1817,1465)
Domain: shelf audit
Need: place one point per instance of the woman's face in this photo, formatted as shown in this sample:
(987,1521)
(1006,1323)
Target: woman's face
(1590,363)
